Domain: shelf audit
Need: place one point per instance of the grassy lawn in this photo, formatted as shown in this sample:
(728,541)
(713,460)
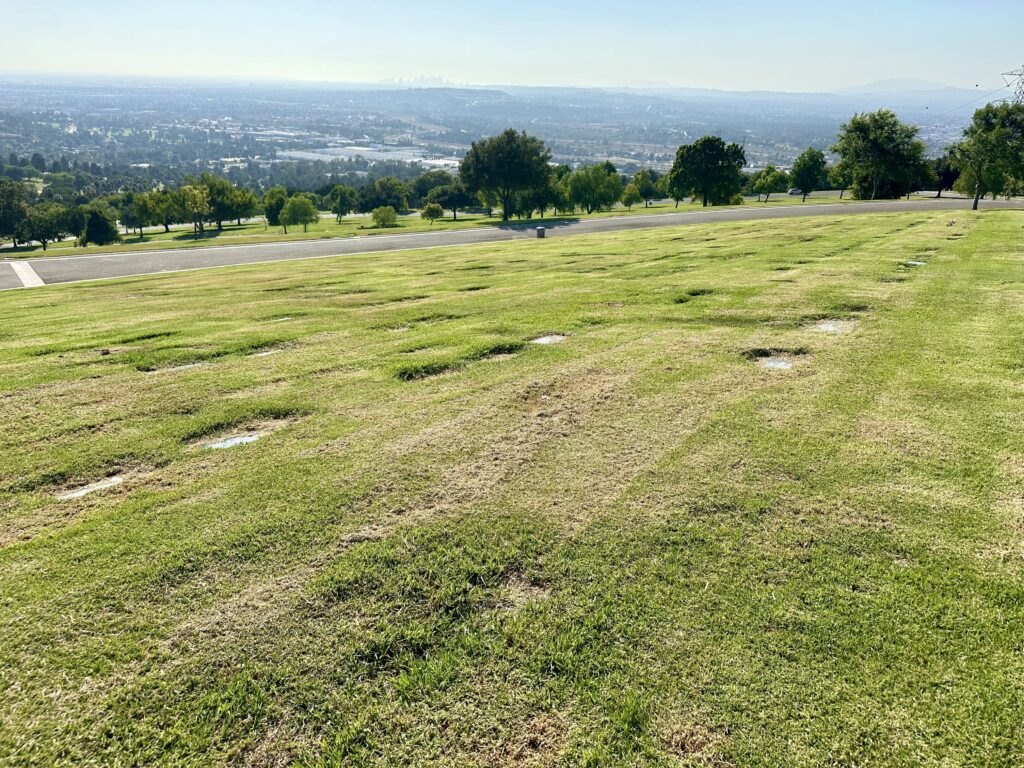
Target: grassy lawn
(350,226)
(454,547)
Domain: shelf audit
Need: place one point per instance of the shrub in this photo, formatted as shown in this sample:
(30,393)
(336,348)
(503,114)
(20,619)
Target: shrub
(385,216)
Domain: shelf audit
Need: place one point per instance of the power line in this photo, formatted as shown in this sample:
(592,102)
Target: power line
(975,101)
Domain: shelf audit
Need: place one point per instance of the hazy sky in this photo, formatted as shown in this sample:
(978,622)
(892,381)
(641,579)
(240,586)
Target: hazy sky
(801,45)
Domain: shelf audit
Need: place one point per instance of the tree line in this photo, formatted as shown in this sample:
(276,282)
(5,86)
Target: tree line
(879,156)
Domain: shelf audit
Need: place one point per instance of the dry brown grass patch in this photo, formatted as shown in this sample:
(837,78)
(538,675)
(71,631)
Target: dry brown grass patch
(694,744)
(538,743)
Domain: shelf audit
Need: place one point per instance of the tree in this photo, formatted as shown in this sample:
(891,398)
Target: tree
(884,155)
(539,198)
(810,172)
(432,212)
(839,177)
(594,187)
(504,165)
(243,204)
(770,179)
(646,183)
(126,213)
(1013,187)
(167,208)
(13,209)
(298,210)
(47,222)
(631,195)
(195,201)
(136,211)
(451,197)
(488,200)
(145,211)
(992,150)
(341,200)
(384,192)
(384,217)
(221,194)
(38,162)
(919,176)
(709,168)
(99,224)
(422,185)
(946,173)
(665,189)
(273,201)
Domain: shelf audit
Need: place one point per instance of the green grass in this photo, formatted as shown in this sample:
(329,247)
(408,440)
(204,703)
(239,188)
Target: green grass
(453,547)
(352,226)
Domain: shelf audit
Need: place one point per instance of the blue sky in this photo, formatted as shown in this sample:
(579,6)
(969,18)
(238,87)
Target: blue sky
(800,45)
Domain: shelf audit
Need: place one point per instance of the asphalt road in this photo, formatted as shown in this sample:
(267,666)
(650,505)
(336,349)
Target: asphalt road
(101,266)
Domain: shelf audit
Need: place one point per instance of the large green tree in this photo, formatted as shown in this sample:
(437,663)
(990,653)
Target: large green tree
(384,192)
(243,204)
(992,150)
(13,209)
(99,224)
(839,177)
(137,211)
(167,208)
(505,165)
(420,186)
(946,173)
(810,172)
(222,198)
(883,154)
(710,169)
(273,201)
(298,210)
(594,188)
(646,182)
(451,197)
(341,200)
(195,201)
(48,222)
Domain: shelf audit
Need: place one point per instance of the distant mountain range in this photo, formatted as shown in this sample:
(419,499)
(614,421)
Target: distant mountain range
(899,85)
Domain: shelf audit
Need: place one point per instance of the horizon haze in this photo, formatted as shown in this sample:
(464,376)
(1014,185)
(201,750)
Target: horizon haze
(789,46)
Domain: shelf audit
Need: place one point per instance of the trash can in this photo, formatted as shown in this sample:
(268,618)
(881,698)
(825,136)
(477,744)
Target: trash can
(540,232)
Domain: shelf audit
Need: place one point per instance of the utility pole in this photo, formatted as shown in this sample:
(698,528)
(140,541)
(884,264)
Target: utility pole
(1016,80)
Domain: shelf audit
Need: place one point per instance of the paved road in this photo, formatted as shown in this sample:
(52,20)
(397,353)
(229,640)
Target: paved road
(100,266)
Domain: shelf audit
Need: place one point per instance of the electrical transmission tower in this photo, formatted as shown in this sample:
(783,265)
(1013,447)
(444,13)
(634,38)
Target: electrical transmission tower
(1015,79)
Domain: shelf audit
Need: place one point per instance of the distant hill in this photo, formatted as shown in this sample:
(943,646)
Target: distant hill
(898,85)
